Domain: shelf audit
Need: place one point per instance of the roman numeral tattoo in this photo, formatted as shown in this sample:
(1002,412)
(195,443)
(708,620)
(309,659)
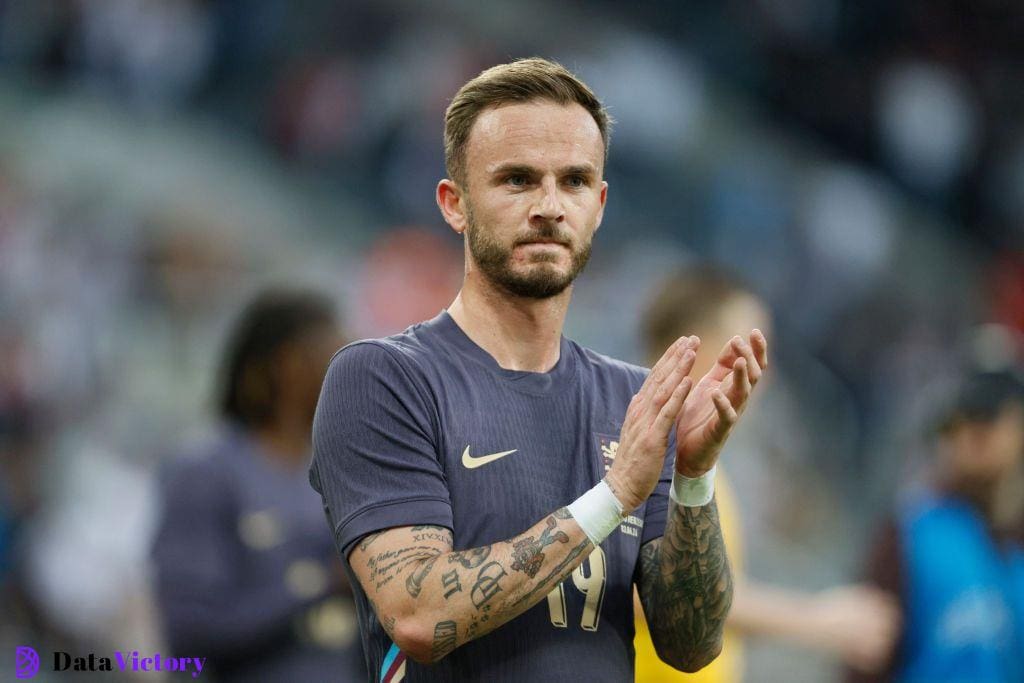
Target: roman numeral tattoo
(445,639)
(450,582)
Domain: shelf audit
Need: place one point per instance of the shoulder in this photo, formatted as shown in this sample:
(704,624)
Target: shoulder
(374,378)
(403,354)
(608,369)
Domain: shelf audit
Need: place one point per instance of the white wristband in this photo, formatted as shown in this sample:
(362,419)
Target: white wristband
(597,512)
(694,492)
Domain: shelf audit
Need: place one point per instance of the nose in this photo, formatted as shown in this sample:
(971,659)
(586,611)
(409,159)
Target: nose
(548,207)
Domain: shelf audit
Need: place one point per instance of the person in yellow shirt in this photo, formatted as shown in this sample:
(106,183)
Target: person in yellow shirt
(856,623)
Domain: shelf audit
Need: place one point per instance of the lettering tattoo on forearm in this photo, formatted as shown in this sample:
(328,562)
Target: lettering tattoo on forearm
(488,583)
(527,553)
(387,565)
(686,586)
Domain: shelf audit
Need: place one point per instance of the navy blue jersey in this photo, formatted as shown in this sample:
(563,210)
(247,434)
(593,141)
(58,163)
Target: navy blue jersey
(425,428)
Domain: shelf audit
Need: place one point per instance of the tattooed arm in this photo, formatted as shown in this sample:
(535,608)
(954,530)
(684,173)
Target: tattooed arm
(686,587)
(685,584)
(431,600)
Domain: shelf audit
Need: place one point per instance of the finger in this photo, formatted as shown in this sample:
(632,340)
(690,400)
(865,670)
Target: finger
(666,389)
(740,389)
(659,377)
(689,357)
(746,350)
(658,372)
(669,412)
(726,413)
(726,358)
(760,346)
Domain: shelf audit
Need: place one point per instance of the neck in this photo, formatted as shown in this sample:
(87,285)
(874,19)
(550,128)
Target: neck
(285,439)
(519,333)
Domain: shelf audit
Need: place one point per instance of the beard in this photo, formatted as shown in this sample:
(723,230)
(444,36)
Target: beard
(541,279)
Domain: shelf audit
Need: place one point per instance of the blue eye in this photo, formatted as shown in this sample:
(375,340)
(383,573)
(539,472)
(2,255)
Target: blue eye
(516,180)
(576,181)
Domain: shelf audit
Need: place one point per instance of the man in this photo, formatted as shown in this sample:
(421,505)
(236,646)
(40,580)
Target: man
(438,450)
(857,623)
(954,551)
(246,578)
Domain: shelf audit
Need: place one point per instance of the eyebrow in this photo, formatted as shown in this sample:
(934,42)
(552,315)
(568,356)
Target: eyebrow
(512,168)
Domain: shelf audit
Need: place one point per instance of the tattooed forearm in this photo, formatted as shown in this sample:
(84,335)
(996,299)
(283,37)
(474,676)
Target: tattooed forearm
(387,565)
(686,587)
(527,553)
(414,584)
(488,583)
(450,582)
(466,593)
(445,639)
(559,570)
(470,559)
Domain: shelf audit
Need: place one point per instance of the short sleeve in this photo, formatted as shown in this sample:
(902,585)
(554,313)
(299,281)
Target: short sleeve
(375,460)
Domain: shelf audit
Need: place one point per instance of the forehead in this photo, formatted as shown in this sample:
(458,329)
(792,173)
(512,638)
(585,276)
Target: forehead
(537,133)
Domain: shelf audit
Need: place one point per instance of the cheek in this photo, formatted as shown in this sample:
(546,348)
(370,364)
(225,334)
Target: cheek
(497,207)
(587,205)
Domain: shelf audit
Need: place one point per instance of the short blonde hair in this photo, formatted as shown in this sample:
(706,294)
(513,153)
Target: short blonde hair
(523,80)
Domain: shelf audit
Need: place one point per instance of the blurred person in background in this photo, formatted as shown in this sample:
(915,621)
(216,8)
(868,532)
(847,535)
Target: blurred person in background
(954,549)
(857,623)
(246,575)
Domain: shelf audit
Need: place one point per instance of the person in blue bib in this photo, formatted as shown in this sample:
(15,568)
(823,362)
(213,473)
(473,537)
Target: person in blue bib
(954,552)
(496,489)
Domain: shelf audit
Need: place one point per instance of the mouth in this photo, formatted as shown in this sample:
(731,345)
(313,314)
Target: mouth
(542,243)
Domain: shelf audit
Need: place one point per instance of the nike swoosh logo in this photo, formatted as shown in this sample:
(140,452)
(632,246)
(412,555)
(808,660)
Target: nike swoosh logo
(469,462)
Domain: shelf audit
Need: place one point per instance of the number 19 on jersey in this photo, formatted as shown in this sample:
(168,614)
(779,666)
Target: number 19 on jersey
(589,579)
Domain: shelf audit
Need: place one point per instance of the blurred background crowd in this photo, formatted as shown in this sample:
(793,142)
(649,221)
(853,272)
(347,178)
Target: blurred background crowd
(860,164)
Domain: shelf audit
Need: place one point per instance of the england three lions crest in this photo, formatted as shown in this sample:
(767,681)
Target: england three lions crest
(608,446)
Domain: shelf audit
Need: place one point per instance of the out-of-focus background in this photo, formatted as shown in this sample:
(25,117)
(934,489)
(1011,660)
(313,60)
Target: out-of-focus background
(861,163)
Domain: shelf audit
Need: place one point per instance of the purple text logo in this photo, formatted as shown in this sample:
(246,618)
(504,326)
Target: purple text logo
(128,661)
(26,662)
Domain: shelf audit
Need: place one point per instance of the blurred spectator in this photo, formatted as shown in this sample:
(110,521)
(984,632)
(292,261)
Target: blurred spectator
(708,303)
(954,551)
(246,574)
